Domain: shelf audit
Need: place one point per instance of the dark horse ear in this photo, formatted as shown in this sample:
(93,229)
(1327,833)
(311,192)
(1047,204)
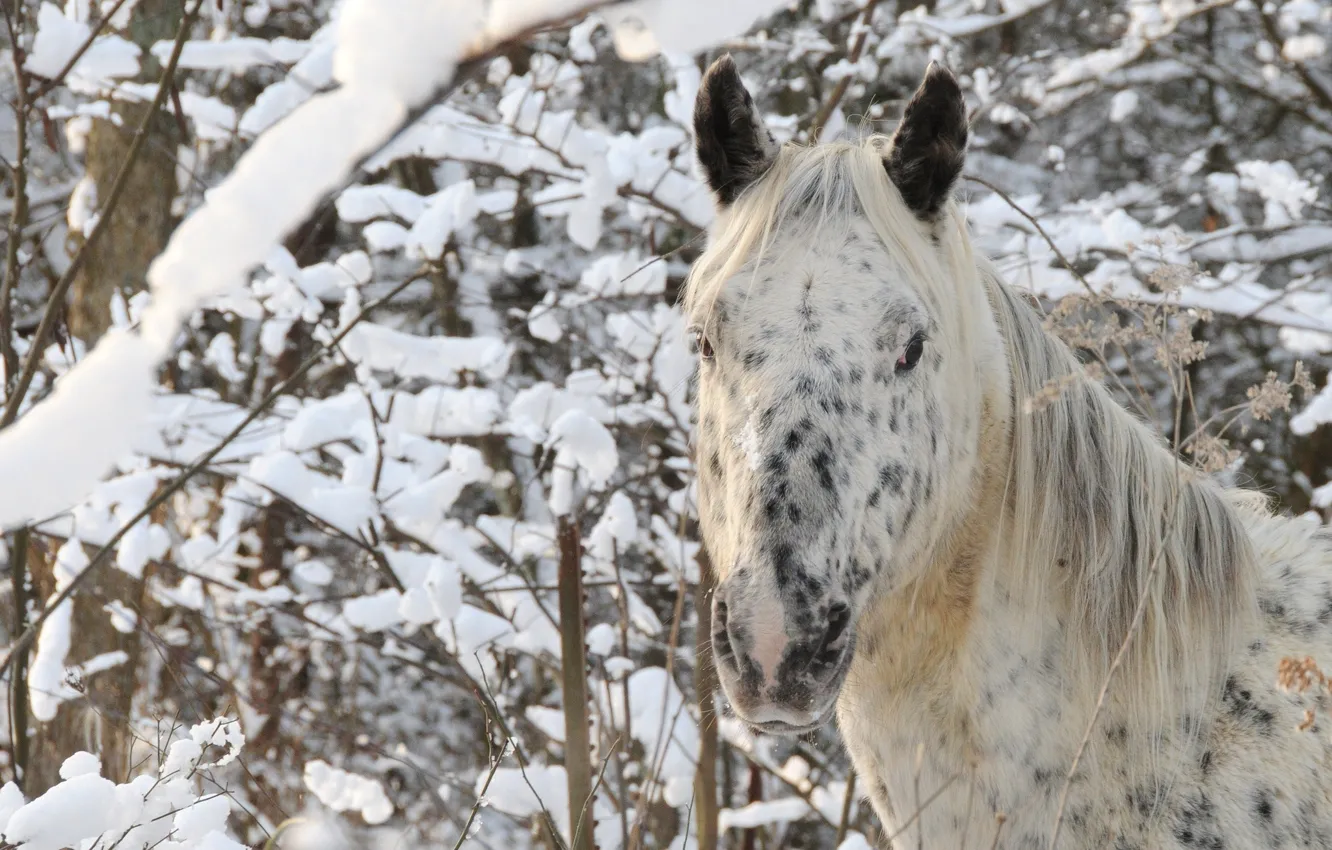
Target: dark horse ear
(930,144)
(731,143)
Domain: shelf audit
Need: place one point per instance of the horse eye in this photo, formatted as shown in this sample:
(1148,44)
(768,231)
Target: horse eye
(911,356)
(704,346)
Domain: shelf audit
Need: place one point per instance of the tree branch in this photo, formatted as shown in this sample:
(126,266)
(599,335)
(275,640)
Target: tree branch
(57,298)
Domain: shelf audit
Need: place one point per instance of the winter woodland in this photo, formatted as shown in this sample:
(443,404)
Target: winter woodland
(348,494)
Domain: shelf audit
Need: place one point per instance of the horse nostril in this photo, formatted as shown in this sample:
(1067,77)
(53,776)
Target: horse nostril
(721,636)
(839,617)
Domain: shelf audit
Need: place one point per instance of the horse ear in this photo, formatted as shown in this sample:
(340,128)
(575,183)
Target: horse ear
(930,144)
(731,143)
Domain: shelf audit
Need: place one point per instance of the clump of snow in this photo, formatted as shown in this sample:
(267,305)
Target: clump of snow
(343,791)
(148,811)
(523,793)
(643,28)
(79,764)
(77,809)
(1122,105)
(580,442)
(234,53)
(109,391)
(1277,183)
(440,359)
(59,38)
(375,612)
(47,686)
(1317,412)
(1304,48)
(445,212)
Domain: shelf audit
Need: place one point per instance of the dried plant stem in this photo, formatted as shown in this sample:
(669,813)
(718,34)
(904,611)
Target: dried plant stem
(1139,614)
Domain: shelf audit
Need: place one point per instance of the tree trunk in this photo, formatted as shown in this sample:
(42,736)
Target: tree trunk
(141,222)
(98,722)
(139,226)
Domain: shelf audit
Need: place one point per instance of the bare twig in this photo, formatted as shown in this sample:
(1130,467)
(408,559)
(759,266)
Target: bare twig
(1135,624)
(1142,400)
(481,797)
(839,91)
(921,807)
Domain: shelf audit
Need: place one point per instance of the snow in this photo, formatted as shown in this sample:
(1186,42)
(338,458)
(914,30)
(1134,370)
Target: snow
(58,38)
(186,755)
(523,793)
(11,800)
(1122,105)
(375,612)
(77,809)
(643,28)
(82,214)
(365,203)
(343,791)
(440,359)
(764,813)
(580,442)
(201,819)
(144,812)
(1304,48)
(1317,412)
(52,442)
(80,764)
(214,248)
(47,687)
(234,54)
(445,213)
(659,721)
(1277,183)
(346,508)
(426,38)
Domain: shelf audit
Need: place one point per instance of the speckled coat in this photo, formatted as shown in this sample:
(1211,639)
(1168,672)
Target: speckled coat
(904,539)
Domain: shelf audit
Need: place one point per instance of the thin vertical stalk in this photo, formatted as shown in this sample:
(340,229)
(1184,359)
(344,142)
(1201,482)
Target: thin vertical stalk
(749,841)
(18,681)
(705,682)
(847,799)
(18,555)
(573,659)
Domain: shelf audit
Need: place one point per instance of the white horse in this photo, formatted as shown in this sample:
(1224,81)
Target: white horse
(900,542)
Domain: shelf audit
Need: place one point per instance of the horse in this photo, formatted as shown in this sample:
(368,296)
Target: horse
(1034,624)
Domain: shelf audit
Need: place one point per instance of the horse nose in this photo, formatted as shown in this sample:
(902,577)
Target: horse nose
(755,638)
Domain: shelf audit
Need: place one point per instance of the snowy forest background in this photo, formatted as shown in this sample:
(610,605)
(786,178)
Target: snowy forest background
(286,527)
